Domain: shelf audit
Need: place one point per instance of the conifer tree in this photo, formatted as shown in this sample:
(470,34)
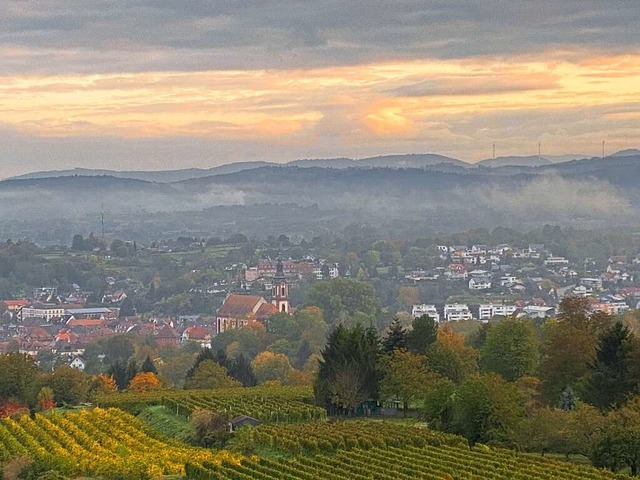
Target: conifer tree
(148,366)
(396,337)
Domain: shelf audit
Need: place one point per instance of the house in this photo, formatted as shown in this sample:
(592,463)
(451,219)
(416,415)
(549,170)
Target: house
(200,335)
(551,261)
(424,309)
(78,363)
(489,310)
(241,421)
(479,284)
(166,337)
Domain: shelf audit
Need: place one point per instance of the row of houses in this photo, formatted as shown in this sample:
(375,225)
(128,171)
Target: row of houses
(453,312)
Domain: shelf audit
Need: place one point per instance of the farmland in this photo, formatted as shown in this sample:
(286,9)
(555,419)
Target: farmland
(105,443)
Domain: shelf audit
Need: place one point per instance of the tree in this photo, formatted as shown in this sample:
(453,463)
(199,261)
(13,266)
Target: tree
(269,366)
(570,346)
(126,308)
(303,354)
(144,382)
(102,384)
(203,355)
(18,378)
(46,399)
(69,385)
(424,331)
(487,409)
(341,298)
(449,357)
(396,337)
(240,369)
(209,374)
(210,428)
(78,243)
(406,377)
(351,354)
(511,349)
(407,297)
(609,379)
(118,371)
(148,366)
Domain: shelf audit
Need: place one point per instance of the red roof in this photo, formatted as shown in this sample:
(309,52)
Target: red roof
(238,306)
(197,333)
(85,322)
(265,311)
(11,304)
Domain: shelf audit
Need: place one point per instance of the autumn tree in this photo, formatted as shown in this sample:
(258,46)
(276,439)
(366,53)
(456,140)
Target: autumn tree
(268,366)
(407,297)
(511,349)
(570,347)
(450,357)
(144,382)
(46,399)
(103,383)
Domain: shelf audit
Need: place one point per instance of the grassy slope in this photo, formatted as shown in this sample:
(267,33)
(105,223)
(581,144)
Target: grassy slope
(173,426)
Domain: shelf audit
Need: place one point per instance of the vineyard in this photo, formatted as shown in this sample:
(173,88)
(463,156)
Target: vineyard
(267,404)
(98,442)
(362,451)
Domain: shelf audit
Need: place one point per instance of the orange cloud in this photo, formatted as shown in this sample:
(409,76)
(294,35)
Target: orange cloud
(388,100)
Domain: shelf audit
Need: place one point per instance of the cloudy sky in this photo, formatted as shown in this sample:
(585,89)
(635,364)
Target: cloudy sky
(158,84)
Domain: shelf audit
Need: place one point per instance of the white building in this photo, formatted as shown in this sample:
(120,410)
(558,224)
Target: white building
(457,311)
(424,309)
(479,284)
(550,261)
(489,310)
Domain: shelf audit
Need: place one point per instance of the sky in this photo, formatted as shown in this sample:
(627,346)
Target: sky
(166,84)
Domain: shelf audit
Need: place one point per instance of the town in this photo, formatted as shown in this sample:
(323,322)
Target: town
(216,287)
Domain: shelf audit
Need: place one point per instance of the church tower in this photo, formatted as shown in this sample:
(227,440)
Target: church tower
(280,290)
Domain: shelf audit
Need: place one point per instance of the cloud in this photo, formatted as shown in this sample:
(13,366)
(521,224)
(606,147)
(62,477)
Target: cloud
(59,36)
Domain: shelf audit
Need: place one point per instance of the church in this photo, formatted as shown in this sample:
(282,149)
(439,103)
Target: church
(239,310)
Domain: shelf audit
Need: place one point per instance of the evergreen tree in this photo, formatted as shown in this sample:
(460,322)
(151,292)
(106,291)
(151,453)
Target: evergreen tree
(396,337)
(241,370)
(148,366)
(132,370)
(350,369)
(204,354)
(126,308)
(424,332)
(222,358)
(303,354)
(609,381)
(118,371)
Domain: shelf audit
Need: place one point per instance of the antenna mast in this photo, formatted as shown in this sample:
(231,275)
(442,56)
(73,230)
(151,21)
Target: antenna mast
(494,151)
(102,218)
(602,148)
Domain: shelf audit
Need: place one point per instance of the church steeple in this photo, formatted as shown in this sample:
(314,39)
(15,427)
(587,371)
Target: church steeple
(280,289)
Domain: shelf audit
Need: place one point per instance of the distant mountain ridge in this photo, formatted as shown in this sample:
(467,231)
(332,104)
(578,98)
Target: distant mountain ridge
(432,161)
